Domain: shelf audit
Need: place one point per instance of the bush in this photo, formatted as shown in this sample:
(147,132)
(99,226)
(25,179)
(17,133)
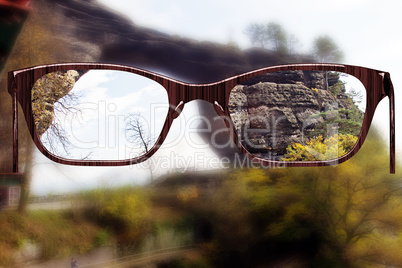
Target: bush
(52,231)
(101,238)
(124,210)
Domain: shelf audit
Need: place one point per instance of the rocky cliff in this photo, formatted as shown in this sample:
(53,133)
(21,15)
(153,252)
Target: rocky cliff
(272,111)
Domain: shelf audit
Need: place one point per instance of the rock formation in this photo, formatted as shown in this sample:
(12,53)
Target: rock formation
(274,110)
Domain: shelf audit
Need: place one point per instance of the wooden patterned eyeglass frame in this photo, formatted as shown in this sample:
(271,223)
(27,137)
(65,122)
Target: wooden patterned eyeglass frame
(377,83)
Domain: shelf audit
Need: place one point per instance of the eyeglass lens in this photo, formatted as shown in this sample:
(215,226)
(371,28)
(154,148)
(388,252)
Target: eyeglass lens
(298,115)
(290,115)
(98,114)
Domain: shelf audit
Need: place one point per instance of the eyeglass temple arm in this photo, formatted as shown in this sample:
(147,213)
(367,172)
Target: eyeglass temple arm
(12,89)
(15,133)
(389,91)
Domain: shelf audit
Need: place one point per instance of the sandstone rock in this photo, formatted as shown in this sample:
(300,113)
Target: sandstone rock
(273,110)
(47,91)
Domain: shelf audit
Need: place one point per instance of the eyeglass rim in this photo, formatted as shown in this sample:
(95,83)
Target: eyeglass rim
(377,83)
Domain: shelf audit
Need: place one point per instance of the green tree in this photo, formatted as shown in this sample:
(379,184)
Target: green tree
(243,195)
(347,215)
(355,207)
(338,87)
(326,50)
(125,210)
(257,34)
(277,37)
(273,36)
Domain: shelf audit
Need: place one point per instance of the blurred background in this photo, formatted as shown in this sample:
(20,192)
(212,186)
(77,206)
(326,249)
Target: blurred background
(344,216)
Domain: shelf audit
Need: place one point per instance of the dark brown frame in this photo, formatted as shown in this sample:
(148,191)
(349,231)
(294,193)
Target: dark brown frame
(377,83)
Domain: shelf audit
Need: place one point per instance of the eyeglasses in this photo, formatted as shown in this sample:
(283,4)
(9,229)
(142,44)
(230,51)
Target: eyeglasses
(286,116)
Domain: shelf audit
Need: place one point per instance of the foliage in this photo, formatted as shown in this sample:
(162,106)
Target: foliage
(319,148)
(343,121)
(357,204)
(244,198)
(277,37)
(354,207)
(342,124)
(325,50)
(271,36)
(102,238)
(257,35)
(355,95)
(342,216)
(54,232)
(124,210)
(337,88)
(344,117)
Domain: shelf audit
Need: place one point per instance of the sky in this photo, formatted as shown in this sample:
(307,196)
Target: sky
(105,102)
(367,32)
(352,24)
